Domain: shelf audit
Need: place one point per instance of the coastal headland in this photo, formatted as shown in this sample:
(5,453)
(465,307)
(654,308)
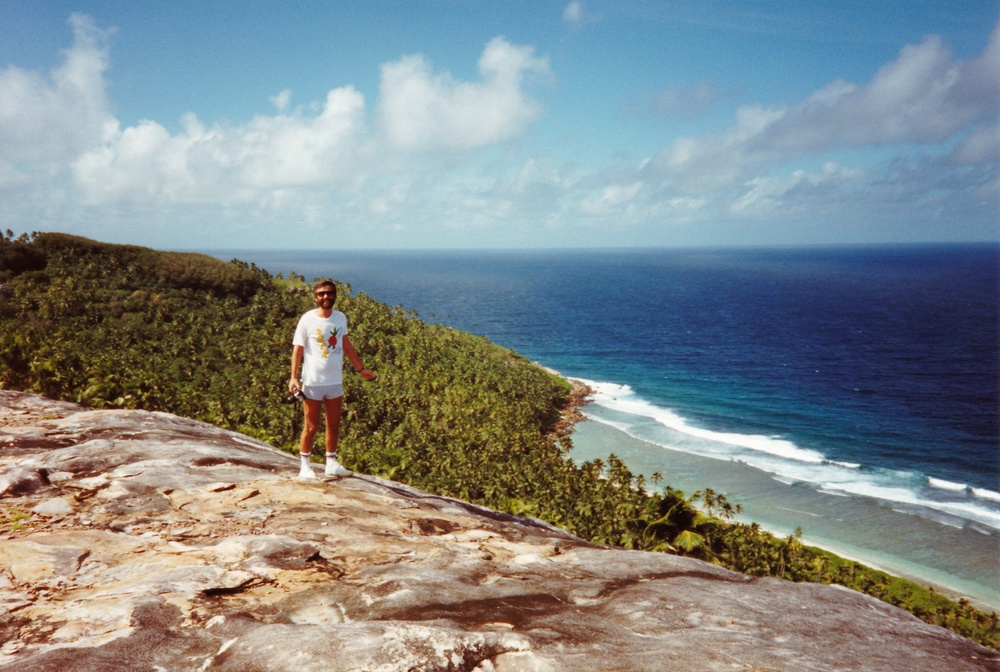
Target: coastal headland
(124,328)
(145,540)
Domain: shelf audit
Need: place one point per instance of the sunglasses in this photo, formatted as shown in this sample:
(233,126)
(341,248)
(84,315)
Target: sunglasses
(324,293)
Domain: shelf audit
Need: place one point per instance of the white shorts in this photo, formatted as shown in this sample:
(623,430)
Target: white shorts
(320,392)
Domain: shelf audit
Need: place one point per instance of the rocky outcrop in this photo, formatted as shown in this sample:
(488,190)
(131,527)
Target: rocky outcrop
(132,540)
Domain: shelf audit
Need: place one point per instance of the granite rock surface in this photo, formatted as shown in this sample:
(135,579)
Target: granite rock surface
(132,540)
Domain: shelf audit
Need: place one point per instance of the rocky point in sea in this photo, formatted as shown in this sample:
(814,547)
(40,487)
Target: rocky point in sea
(133,540)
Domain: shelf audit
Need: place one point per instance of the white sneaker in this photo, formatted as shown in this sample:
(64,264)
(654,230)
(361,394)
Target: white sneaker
(333,468)
(306,474)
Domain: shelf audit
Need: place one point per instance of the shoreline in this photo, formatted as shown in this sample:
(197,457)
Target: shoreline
(600,439)
(571,412)
(951,593)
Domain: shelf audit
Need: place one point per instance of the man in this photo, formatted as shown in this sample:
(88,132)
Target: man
(319,346)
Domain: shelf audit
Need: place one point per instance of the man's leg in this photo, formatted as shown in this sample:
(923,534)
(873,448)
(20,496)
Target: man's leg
(333,409)
(311,410)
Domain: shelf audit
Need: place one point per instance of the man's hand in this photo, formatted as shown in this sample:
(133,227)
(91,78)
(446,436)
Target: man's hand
(366,374)
(293,384)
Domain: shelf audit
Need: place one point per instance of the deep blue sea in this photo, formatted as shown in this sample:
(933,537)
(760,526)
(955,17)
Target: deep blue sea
(852,392)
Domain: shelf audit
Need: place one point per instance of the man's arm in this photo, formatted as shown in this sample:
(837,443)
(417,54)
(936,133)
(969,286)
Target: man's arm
(352,357)
(293,380)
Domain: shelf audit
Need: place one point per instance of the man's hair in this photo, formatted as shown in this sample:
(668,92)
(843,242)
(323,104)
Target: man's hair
(325,283)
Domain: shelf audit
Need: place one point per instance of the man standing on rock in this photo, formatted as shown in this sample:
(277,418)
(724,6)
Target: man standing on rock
(318,347)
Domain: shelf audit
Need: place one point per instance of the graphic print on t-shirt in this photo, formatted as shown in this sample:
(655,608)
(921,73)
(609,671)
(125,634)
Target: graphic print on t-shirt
(327,344)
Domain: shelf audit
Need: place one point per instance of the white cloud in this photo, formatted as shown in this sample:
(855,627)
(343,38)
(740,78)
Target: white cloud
(335,149)
(58,125)
(421,110)
(923,97)
(144,163)
(435,153)
(982,146)
(612,199)
(796,194)
(576,15)
(714,162)
(771,175)
(46,120)
(281,100)
(71,165)
(573,13)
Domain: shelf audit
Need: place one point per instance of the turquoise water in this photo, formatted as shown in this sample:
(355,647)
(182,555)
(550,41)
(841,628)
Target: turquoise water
(959,560)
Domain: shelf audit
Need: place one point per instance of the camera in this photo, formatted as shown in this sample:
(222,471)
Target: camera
(293,397)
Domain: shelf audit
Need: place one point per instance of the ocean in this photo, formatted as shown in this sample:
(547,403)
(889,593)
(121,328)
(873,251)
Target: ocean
(849,393)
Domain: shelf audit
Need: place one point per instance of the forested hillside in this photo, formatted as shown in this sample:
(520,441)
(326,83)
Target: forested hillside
(112,326)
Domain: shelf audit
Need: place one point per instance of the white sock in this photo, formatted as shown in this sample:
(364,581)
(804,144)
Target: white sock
(331,457)
(305,460)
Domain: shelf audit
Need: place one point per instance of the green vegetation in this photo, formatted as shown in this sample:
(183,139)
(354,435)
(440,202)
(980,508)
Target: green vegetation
(12,519)
(113,326)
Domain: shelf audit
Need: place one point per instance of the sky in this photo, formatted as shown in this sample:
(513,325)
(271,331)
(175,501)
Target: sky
(441,124)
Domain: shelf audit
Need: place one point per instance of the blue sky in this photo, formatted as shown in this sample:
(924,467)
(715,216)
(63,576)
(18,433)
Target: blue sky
(464,124)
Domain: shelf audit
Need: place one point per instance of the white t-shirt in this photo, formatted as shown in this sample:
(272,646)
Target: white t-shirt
(323,351)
